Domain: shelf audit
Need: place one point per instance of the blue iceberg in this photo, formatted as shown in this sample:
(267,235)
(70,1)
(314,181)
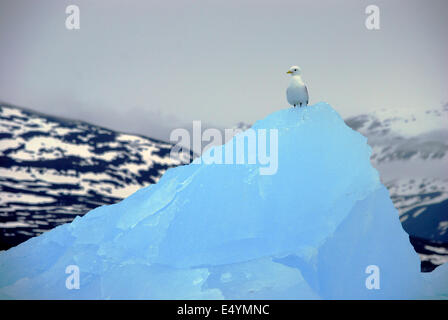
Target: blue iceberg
(322,226)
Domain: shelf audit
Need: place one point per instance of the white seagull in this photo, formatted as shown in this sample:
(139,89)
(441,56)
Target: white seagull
(297,93)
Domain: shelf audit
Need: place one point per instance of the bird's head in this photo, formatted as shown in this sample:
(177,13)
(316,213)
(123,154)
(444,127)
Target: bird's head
(295,71)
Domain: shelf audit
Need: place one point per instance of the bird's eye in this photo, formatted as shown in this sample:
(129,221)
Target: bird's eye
(295,69)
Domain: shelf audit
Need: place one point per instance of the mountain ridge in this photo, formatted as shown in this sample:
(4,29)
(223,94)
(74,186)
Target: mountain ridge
(53,169)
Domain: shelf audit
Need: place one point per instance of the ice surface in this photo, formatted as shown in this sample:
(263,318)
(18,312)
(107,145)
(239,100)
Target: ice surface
(224,231)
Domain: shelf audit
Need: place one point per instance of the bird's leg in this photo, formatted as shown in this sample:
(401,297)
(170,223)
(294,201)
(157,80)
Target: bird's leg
(300,104)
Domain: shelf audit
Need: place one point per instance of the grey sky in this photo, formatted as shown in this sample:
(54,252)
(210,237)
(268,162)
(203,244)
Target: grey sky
(148,66)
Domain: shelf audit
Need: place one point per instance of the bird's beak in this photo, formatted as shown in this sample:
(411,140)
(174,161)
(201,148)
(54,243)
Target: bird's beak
(289,71)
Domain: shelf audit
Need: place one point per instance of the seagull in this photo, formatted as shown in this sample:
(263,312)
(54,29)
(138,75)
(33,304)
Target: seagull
(297,93)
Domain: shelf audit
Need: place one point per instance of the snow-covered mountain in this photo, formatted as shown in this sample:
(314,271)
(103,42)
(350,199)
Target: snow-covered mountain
(410,150)
(52,169)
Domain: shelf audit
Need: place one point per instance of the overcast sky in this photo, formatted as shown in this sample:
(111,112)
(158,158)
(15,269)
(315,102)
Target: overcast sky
(149,66)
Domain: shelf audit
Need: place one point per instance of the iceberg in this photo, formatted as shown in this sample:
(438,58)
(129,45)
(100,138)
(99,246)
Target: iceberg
(321,227)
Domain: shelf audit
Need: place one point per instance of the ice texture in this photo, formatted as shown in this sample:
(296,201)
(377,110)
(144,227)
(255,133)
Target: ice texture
(225,231)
